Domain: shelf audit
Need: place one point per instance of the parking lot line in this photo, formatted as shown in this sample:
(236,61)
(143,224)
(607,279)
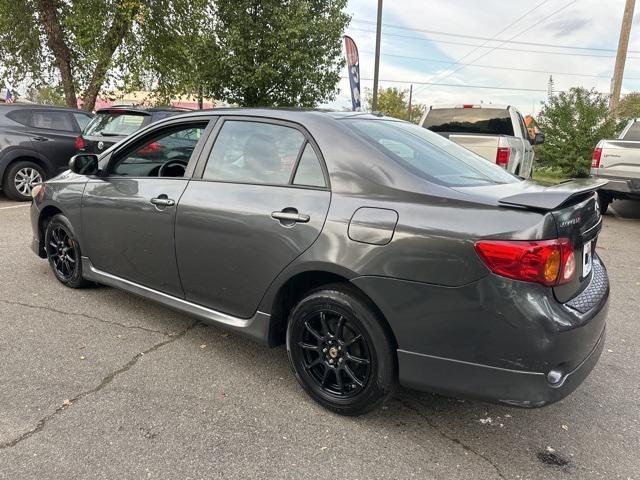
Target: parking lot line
(16,206)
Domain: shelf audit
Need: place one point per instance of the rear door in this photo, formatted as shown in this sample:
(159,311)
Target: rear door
(128,214)
(54,133)
(259,199)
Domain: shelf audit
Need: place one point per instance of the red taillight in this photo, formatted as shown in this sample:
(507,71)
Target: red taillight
(153,147)
(467,105)
(502,156)
(595,158)
(79,143)
(548,262)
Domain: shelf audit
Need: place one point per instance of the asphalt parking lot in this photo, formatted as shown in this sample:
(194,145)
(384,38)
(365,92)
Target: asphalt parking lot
(98,383)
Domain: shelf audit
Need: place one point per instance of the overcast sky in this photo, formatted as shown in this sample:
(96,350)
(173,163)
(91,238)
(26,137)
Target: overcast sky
(588,24)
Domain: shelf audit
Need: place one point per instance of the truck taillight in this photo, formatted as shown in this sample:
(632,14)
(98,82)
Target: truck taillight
(79,143)
(595,158)
(548,262)
(502,156)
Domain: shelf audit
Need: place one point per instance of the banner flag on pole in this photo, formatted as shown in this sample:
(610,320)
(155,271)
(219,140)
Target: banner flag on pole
(353,64)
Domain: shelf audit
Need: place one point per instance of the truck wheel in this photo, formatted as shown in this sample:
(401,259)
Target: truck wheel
(604,199)
(20,178)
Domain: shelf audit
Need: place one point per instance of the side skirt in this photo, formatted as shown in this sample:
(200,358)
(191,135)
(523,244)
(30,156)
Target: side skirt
(256,327)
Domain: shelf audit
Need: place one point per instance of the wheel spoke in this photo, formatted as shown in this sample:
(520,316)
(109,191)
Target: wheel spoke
(317,361)
(340,327)
(323,322)
(312,331)
(353,376)
(352,341)
(325,375)
(339,380)
(362,361)
(304,345)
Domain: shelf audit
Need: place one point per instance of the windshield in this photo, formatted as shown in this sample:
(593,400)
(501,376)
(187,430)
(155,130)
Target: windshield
(489,121)
(114,124)
(429,155)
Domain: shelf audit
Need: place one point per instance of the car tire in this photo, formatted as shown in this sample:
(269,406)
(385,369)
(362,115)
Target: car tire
(340,351)
(19,179)
(63,252)
(604,200)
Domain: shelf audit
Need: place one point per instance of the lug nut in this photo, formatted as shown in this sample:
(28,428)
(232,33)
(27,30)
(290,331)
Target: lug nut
(331,361)
(324,350)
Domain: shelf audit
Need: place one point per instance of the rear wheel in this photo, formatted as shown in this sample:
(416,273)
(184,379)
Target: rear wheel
(20,178)
(339,351)
(604,199)
(63,252)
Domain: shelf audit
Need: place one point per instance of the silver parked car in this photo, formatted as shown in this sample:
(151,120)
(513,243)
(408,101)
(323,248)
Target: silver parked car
(377,250)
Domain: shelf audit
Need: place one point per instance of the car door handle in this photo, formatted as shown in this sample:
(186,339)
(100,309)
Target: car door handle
(41,139)
(163,202)
(292,216)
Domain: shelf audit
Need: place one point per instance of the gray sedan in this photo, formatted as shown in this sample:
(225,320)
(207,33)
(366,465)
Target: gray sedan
(377,251)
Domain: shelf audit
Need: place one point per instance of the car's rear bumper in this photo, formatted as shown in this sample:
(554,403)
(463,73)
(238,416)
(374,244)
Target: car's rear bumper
(628,186)
(511,387)
(495,339)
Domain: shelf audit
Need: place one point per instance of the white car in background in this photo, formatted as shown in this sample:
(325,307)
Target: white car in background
(495,132)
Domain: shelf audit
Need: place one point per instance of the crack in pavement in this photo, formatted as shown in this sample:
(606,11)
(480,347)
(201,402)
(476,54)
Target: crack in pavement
(103,383)
(455,440)
(90,317)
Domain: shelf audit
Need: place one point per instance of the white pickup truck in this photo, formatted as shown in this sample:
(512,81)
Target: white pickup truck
(495,132)
(618,161)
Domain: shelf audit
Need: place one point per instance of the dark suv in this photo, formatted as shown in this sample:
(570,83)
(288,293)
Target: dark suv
(110,125)
(36,143)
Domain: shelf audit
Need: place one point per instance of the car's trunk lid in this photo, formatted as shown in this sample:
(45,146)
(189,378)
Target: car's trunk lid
(574,207)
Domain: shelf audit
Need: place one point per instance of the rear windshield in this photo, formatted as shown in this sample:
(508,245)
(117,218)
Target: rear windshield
(429,155)
(114,124)
(633,133)
(491,121)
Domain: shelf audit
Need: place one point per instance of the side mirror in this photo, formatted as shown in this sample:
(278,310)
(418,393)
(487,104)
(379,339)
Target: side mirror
(539,139)
(84,164)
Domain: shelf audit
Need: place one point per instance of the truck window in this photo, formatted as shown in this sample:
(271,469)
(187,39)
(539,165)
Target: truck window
(633,133)
(488,121)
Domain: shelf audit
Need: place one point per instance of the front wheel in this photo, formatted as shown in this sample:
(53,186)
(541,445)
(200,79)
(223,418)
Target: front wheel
(340,352)
(63,252)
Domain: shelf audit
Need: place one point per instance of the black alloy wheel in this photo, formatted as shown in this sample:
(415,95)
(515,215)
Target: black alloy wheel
(340,351)
(63,252)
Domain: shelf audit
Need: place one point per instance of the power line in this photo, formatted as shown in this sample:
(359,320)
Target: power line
(473,37)
(546,52)
(488,87)
(449,62)
(511,38)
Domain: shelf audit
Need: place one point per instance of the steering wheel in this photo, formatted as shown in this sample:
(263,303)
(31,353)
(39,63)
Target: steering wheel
(174,162)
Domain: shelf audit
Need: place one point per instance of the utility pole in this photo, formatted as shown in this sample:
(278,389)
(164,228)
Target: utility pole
(410,98)
(376,68)
(621,56)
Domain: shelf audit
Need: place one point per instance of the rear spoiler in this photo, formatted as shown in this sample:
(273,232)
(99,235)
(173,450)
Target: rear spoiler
(554,196)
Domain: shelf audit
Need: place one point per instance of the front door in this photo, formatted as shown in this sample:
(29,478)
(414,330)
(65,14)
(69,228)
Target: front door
(261,202)
(128,215)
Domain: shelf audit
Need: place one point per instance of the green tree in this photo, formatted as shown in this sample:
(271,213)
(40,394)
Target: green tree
(277,53)
(573,122)
(46,95)
(629,107)
(394,102)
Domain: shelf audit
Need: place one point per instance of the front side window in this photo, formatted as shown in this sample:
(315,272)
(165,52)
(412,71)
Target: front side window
(164,155)
(254,152)
(115,123)
(428,154)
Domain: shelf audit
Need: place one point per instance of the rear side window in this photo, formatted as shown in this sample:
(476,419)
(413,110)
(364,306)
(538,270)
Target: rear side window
(633,133)
(45,119)
(309,171)
(429,155)
(491,121)
(254,152)
(82,119)
(115,124)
